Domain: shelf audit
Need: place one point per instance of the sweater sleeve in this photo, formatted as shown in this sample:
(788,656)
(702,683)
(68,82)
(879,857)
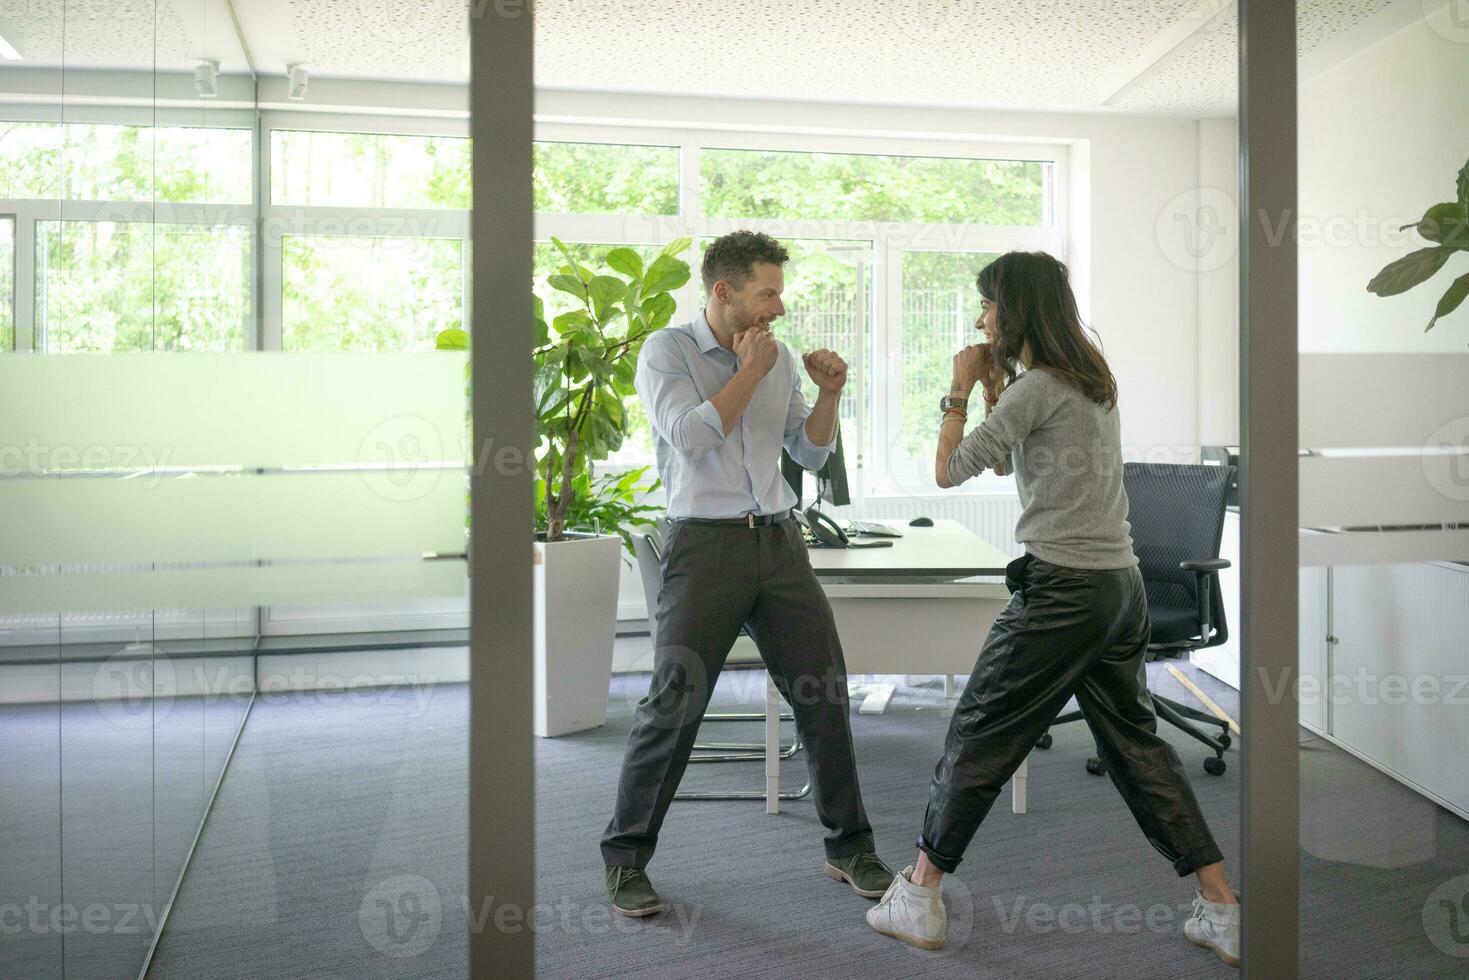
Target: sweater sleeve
(1023,407)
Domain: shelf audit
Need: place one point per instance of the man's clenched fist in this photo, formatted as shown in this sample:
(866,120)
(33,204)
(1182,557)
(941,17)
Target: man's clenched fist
(756,349)
(827,370)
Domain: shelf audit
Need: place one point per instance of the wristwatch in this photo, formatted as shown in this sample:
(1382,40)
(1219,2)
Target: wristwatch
(953,401)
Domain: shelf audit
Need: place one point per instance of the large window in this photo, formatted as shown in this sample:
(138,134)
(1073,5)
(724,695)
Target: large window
(599,178)
(368,170)
(858,187)
(940,303)
(165,164)
(107,286)
(369,294)
(373,170)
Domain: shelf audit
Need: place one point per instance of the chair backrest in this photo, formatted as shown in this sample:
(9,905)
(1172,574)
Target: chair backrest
(1177,514)
(650,567)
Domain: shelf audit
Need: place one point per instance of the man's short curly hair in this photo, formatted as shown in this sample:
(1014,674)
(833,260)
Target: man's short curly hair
(732,257)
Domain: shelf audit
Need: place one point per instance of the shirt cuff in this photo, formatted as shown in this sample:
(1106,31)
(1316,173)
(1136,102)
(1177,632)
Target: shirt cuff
(710,414)
(807,453)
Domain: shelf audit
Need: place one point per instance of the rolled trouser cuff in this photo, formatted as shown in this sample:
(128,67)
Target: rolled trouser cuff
(1198,858)
(948,865)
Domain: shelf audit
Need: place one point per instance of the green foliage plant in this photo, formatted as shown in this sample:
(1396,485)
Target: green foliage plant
(1447,227)
(585,364)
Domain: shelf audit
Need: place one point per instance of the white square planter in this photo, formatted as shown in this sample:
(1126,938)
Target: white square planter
(575,624)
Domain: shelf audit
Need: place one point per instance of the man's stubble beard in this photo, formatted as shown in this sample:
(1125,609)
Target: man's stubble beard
(740,318)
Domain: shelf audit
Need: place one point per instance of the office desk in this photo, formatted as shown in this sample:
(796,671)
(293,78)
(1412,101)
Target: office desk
(907,609)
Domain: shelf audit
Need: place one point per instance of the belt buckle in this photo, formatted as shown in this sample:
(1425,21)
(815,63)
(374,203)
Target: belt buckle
(750,518)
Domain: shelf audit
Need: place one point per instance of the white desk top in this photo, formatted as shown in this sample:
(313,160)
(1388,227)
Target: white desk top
(948,549)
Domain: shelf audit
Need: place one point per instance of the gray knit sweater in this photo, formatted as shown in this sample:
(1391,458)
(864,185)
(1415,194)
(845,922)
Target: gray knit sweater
(1066,453)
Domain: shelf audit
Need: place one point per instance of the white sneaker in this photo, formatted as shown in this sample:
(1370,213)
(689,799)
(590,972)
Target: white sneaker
(1214,926)
(911,913)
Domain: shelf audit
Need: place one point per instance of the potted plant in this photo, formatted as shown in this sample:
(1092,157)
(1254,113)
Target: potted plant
(585,362)
(1447,226)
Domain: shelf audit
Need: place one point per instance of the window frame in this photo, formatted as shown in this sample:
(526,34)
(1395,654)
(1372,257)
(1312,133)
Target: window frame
(29,212)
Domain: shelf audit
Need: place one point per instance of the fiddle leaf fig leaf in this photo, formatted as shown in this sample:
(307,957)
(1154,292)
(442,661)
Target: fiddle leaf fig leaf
(1449,302)
(677,246)
(568,284)
(605,292)
(1444,224)
(626,261)
(665,275)
(451,339)
(1408,271)
(659,310)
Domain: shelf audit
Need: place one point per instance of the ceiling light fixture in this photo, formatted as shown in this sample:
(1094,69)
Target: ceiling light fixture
(298,79)
(206,77)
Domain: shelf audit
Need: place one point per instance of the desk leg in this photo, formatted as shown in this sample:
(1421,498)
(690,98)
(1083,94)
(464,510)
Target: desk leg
(772,746)
(1017,787)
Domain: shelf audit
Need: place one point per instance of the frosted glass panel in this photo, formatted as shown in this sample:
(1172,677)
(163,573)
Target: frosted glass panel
(1390,490)
(1341,408)
(221,518)
(157,411)
(249,585)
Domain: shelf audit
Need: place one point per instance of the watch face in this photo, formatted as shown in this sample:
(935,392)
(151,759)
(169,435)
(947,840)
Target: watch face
(949,401)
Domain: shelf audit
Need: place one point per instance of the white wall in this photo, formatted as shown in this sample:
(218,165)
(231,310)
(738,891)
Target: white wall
(1382,135)
(1218,282)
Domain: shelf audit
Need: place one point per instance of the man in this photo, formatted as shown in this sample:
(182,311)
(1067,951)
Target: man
(723,396)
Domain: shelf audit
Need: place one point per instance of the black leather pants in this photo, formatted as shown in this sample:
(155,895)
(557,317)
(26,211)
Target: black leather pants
(1065,632)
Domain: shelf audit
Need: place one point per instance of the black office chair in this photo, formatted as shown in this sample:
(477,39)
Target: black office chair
(648,548)
(1177,517)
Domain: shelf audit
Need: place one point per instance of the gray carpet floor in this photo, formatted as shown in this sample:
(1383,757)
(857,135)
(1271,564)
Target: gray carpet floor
(337,849)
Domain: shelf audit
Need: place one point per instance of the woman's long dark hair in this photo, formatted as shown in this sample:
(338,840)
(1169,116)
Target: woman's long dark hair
(1034,305)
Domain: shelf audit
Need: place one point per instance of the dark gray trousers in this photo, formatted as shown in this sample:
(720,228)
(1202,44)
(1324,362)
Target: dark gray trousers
(716,579)
(1065,632)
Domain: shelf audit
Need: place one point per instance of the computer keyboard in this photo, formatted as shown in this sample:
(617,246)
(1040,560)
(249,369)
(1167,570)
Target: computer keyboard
(872,530)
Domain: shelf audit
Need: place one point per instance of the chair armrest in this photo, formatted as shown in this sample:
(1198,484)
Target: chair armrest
(1206,579)
(1204,564)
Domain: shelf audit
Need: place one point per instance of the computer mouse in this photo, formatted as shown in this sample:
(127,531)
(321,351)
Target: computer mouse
(921,522)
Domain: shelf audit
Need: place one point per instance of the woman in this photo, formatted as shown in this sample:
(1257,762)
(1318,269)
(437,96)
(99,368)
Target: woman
(1077,620)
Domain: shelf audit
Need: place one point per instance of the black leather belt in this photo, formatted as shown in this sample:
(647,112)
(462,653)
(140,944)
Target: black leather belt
(749,520)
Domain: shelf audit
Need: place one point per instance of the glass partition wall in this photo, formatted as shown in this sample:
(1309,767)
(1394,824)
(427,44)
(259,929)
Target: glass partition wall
(172,474)
(1383,695)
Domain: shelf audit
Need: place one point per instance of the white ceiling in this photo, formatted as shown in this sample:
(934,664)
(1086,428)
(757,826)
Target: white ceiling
(1140,56)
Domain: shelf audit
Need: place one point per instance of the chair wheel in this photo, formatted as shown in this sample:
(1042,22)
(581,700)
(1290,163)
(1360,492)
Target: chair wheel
(1224,739)
(1045,741)
(1214,766)
(1096,767)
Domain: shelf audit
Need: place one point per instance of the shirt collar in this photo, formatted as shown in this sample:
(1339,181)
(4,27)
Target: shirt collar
(704,335)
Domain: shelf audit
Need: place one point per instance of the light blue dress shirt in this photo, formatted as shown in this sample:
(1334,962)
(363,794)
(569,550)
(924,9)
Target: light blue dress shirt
(705,472)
